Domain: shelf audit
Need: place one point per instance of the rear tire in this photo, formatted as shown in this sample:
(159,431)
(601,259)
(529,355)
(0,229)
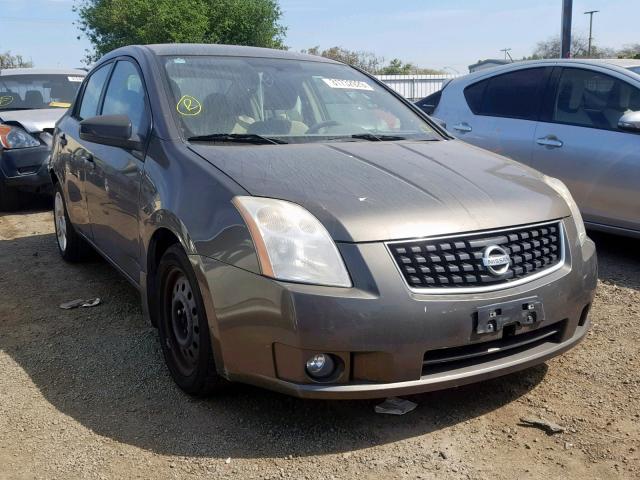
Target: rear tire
(183,327)
(9,197)
(72,247)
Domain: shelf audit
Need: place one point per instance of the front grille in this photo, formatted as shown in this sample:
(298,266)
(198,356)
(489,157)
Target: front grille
(456,262)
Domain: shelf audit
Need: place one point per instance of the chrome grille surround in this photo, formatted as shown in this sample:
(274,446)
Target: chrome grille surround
(498,284)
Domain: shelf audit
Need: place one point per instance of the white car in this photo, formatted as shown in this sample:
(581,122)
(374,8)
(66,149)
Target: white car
(578,120)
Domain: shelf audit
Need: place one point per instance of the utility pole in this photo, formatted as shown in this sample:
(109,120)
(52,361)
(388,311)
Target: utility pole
(565,44)
(590,13)
(506,52)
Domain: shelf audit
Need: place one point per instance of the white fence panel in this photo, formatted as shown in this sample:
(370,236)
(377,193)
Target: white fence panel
(415,87)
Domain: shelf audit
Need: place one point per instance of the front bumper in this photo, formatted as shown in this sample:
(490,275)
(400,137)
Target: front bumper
(264,330)
(26,169)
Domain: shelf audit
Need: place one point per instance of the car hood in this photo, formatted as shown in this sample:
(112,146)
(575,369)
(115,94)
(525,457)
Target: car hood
(376,191)
(33,121)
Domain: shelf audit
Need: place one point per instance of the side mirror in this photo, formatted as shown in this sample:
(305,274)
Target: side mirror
(114,130)
(630,122)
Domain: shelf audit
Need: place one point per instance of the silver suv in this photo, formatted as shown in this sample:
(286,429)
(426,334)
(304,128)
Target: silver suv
(577,120)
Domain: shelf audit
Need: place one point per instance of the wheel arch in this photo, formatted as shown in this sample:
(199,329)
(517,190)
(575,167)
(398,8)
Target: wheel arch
(54,177)
(163,237)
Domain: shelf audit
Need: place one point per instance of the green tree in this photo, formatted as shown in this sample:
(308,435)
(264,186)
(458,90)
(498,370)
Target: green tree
(550,48)
(109,24)
(629,51)
(396,67)
(7,60)
(369,62)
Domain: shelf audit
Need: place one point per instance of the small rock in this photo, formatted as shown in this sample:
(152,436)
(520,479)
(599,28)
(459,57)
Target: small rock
(549,427)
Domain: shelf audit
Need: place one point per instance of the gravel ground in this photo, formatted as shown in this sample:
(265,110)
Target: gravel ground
(84,394)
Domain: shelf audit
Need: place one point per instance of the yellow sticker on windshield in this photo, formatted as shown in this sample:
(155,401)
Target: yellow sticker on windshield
(189,105)
(59,104)
(5,100)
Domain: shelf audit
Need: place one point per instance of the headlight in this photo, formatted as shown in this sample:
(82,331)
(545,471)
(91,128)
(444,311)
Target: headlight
(564,192)
(15,137)
(291,243)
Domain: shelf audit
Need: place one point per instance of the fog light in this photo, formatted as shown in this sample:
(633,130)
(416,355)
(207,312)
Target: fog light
(320,365)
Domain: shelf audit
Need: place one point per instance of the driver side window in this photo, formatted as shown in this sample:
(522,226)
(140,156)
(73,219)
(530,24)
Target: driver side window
(592,99)
(125,95)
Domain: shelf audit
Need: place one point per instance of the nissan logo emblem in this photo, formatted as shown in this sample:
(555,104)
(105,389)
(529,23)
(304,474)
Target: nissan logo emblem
(496,259)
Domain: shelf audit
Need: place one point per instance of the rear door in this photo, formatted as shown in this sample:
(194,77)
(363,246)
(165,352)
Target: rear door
(578,141)
(75,153)
(500,112)
(113,182)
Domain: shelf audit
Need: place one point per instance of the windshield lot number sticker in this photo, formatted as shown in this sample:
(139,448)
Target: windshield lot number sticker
(347,84)
(75,79)
(189,105)
(6,100)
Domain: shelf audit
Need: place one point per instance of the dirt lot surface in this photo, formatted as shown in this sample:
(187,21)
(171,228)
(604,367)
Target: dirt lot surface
(84,394)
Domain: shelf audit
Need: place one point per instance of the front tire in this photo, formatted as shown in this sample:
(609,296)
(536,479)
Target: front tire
(183,327)
(72,247)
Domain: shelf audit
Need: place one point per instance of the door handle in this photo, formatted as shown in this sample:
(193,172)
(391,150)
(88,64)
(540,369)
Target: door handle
(63,140)
(462,127)
(550,141)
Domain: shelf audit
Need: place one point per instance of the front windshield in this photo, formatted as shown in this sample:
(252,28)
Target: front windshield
(26,92)
(292,100)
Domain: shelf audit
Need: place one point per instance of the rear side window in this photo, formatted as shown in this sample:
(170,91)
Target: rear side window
(474,95)
(91,95)
(515,94)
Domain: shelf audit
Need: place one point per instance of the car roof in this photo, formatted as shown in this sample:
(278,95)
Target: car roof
(42,71)
(188,49)
(620,62)
(616,64)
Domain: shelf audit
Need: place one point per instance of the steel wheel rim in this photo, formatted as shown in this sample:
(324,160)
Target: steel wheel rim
(183,327)
(60,221)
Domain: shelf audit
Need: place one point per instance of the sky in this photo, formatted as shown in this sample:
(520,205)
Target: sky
(429,33)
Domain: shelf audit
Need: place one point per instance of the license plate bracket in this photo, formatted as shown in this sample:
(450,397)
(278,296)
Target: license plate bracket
(493,318)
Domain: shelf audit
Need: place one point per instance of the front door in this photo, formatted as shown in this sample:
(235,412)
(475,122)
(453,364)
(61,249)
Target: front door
(580,143)
(113,180)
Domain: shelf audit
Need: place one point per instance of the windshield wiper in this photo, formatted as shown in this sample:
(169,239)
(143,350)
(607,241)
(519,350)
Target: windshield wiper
(237,138)
(377,138)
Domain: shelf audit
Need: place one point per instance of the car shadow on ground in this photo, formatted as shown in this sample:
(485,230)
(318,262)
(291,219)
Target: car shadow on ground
(618,259)
(103,367)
